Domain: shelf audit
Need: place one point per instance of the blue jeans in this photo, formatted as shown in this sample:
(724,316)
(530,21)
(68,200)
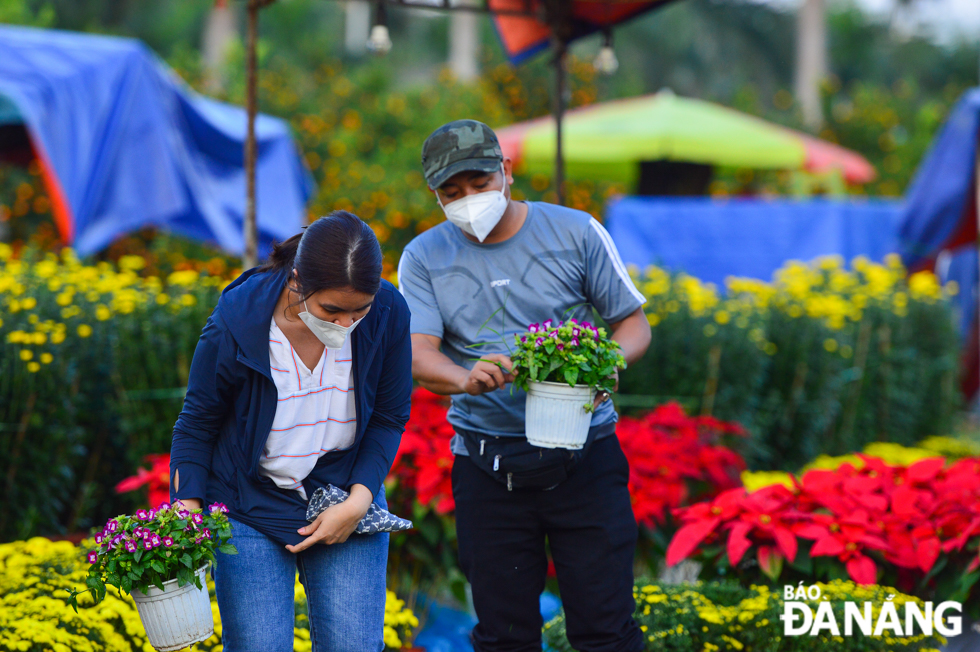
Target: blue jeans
(345,592)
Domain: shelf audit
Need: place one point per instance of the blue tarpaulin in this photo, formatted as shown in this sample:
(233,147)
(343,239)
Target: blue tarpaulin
(712,239)
(938,228)
(123,144)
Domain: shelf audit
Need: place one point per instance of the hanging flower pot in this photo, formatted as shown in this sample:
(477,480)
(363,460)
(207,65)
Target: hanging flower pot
(556,415)
(562,367)
(177,616)
(160,557)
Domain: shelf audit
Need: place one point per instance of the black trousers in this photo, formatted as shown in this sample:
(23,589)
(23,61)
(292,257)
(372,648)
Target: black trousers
(591,531)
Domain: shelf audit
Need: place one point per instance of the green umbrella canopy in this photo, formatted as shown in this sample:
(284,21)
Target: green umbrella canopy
(608,141)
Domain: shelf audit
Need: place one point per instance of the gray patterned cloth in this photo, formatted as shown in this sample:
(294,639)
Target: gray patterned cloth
(376,520)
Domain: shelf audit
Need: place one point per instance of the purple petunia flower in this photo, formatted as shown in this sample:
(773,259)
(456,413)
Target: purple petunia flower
(183,513)
(147,544)
(163,506)
(547,323)
(539,341)
(533,328)
(130,546)
(111,526)
(595,335)
(155,540)
(99,538)
(197,518)
(572,321)
(206,533)
(574,342)
(152,514)
(218,507)
(93,557)
(168,541)
(142,514)
(561,347)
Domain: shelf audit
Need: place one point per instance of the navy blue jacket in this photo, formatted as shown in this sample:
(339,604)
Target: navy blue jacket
(231,403)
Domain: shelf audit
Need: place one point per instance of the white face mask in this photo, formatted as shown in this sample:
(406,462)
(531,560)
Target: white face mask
(330,334)
(477,214)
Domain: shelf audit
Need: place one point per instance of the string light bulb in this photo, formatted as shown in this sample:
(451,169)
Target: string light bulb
(606,62)
(379,41)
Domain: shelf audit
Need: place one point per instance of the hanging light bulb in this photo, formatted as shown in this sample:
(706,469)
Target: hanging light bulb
(606,62)
(380,40)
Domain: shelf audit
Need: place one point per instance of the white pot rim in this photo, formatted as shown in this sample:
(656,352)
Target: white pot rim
(170,585)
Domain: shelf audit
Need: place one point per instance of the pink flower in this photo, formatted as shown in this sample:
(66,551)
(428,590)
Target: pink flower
(153,514)
(111,526)
(197,519)
(164,506)
(142,514)
(539,341)
(183,513)
(168,541)
(93,557)
(574,342)
(130,546)
(572,321)
(155,540)
(206,533)
(547,323)
(99,538)
(218,507)
(561,347)
(147,544)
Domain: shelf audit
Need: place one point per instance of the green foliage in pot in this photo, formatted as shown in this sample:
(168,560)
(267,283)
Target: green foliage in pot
(572,352)
(155,546)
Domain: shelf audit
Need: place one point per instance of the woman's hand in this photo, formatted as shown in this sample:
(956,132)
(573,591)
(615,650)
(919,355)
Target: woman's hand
(336,523)
(188,503)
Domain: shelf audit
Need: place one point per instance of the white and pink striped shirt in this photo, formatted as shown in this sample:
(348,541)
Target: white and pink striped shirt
(315,414)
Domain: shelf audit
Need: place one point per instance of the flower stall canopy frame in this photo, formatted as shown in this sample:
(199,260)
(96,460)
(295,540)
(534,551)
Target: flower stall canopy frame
(123,144)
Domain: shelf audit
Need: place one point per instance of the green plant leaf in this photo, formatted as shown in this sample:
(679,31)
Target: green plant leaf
(228,549)
(571,375)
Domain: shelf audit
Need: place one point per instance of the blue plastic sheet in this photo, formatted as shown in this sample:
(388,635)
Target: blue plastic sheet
(712,239)
(130,146)
(940,209)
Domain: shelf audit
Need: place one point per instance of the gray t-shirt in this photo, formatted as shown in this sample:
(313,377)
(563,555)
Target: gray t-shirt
(561,258)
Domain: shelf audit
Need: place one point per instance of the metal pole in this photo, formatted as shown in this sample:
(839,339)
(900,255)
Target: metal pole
(559,113)
(250,255)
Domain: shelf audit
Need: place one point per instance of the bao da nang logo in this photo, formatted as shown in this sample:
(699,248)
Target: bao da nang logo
(801,617)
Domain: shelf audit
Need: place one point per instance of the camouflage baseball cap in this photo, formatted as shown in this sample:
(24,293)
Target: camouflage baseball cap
(459,146)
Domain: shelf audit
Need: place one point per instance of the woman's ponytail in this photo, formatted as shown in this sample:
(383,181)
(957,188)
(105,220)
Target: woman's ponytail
(336,251)
(283,254)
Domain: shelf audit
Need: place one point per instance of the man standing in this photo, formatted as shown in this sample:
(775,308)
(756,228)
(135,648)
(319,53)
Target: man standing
(522,263)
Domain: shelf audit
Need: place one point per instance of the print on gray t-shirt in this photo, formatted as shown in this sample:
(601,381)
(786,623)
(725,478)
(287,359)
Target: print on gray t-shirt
(560,258)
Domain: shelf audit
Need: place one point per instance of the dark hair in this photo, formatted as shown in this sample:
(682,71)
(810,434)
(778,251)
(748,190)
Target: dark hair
(336,251)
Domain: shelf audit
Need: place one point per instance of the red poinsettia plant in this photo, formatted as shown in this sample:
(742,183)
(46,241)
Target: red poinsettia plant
(676,459)
(916,528)
(156,479)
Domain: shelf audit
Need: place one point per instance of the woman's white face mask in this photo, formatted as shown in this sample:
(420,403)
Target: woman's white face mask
(479,213)
(330,334)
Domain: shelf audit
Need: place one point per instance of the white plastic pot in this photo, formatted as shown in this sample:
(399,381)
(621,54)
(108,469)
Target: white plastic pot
(555,415)
(178,616)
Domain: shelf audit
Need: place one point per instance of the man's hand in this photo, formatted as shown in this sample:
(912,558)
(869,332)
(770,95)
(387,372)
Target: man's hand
(490,373)
(437,373)
(601,396)
(336,523)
